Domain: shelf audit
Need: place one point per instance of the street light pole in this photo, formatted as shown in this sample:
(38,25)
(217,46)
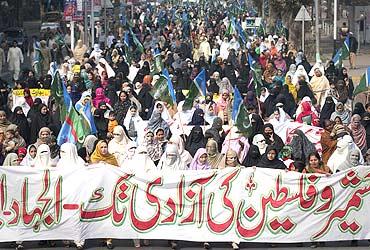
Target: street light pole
(92,20)
(86,29)
(317,37)
(335,25)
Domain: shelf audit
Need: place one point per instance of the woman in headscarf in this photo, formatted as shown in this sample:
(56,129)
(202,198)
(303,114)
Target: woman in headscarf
(359,109)
(195,140)
(153,146)
(315,165)
(291,72)
(305,91)
(270,159)
(101,154)
(54,150)
(200,160)
(30,156)
(343,75)
(121,107)
(366,124)
(237,142)
(256,150)
(4,123)
(145,99)
(157,120)
(216,132)
(69,157)
(280,63)
(343,92)
(81,104)
(79,51)
(319,85)
(134,125)
(224,107)
(42,158)
(100,121)
(352,160)
(171,160)
(358,133)
(28,98)
(231,161)
(291,87)
(342,113)
(34,109)
(11,159)
(215,158)
(89,143)
(18,118)
(179,142)
(287,100)
(118,145)
(327,110)
(44,136)
(100,97)
(344,146)
(272,139)
(328,143)
(269,73)
(300,73)
(210,113)
(301,145)
(40,120)
(198,118)
(225,86)
(104,66)
(307,116)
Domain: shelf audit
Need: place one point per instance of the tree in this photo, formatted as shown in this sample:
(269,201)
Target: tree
(285,10)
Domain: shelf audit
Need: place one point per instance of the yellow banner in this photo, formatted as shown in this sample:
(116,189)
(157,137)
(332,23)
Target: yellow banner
(34,92)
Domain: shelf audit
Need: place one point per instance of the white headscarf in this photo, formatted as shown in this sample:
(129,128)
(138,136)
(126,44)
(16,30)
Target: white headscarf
(139,162)
(69,157)
(11,160)
(138,123)
(89,143)
(344,146)
(260,141)
(171,160)
(96,53)
(118,145)
(184,154)
(42,159)
(108,68)
(28,160)
(300,72)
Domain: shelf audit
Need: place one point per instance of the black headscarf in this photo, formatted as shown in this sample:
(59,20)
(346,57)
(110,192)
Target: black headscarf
(101,122)
(304,90)
(253,157)
(39,121)
(366,124)
(195,140)
(278,142)
(302,146)
(21,121)
(327,110)
(275,163)
(359,109)
(198,118)
(257,126)
(214,132)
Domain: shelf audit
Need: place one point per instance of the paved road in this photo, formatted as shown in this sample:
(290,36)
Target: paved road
(161,244)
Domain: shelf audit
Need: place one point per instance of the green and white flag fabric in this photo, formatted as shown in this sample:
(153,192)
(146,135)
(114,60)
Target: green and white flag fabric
(240,115)
(364,84)
(197,88)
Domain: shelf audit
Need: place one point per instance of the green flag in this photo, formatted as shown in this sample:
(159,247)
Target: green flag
(158,65)
(364,84)
(345,49)
(137,42)
(56,91)
(230,29)
(161,91)
(190,97)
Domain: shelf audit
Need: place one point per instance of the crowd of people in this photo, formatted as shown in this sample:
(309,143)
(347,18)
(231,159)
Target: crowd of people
(136,132)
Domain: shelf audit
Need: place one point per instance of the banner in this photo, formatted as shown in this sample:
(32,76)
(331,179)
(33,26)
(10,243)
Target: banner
(259,205)
(18,98)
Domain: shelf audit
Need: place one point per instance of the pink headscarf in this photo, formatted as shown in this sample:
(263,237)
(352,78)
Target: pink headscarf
(100,97)
(195,164)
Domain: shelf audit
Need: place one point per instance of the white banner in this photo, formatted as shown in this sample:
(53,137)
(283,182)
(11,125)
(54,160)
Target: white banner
(260,205)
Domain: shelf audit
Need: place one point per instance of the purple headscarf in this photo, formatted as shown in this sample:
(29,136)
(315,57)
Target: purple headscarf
(195,164)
